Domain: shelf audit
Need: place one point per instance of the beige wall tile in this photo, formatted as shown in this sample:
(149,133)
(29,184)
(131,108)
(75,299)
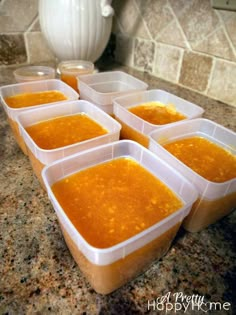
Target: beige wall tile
(198,20)
(223,83)
(217,44)
(129,19)
(156,14)
(124,50)
(37,47)
(172,35)
(167,62)
(195,71)
(144,54)
(16,16)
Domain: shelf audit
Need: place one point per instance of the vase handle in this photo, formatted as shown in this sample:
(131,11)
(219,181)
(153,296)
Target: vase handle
(106,8)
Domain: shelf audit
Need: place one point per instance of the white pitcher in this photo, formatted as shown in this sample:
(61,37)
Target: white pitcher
(76,29)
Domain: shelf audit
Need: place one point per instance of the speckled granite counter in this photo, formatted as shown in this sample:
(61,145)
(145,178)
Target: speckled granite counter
(38,274)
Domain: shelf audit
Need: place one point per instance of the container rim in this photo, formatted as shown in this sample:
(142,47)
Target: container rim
(32,83)
(125,108)
(206,181)
(46,71)
(83,78)
(59,104)
(75,64)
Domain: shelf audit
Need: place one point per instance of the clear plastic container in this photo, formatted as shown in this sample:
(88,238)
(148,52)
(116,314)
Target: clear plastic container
(30,87)
(40,157)
(216,200)
(109,268)
(71,70)
(136,128)
(34,73)
(101,88)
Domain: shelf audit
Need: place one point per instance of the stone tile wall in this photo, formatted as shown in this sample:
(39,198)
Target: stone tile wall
(21,40)
(183,41)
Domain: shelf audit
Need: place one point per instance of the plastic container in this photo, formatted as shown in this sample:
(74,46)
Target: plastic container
(109,268)
(34,73)
(101,88)
(136,128)
(40,157)
(30,87)
(71,70)
(216,200)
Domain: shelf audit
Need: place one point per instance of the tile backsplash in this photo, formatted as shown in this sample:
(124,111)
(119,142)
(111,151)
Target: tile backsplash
(182,41)
(21,40)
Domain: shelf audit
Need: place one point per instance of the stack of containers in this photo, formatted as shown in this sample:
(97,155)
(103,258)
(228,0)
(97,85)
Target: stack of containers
(31,87)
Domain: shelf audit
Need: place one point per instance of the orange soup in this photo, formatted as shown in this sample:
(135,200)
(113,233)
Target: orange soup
(36,98)
(62,131)
(157,113)
(113,201)
(204,157)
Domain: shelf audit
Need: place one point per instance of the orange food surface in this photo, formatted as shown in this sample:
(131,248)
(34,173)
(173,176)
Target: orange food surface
(205,158)
(113,201)
(36,98)
(157,113)
(62,131)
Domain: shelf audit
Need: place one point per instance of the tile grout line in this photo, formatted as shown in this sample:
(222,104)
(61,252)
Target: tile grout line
(208,35)
(27,47)
(180,65)
(144,22)
(1,4)
(226,33)
(164,29)
(179,26)
(133,50)
(155,59)
(29,29)
(210,75)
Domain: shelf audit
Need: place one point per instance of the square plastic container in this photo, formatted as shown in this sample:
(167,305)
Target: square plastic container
(40,157)
(136,128)
(109,268)
(31,87)
(101,88)
(34,73)
(216,200)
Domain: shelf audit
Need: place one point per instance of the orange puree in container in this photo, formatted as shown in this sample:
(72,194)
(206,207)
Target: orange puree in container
(62,131)
(113,201)
(204,157)
(36,98)
(157,113)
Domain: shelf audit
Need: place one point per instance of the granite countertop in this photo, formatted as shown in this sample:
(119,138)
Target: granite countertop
(39,276)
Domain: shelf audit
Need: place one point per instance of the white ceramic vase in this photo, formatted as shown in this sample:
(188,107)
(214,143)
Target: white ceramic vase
(76,29)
